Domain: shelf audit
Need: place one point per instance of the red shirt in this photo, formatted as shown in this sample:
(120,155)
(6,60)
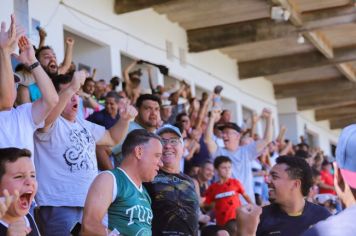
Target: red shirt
(226,198)
(327,178)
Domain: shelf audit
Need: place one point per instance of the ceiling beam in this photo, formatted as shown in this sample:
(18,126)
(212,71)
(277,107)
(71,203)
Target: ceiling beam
(313,87)
(264,29)
(327,100)
(124,6)
(276,65)
(342,122)
(292,7)
(319,40)
(348,71)
(335,112)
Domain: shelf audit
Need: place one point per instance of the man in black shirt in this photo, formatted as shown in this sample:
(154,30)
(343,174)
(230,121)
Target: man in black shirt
(289,214)
(175,202)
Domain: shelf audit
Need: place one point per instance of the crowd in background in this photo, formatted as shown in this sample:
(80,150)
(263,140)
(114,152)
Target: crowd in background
(75,124)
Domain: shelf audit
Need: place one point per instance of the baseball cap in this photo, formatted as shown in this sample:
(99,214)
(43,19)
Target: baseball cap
(169,128)
(346,154)
(166,103)
(230,125)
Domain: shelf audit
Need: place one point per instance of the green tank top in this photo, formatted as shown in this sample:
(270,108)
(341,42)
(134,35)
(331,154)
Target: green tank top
(130,213)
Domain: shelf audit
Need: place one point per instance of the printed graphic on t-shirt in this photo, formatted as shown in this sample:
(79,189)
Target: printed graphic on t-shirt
(79,155)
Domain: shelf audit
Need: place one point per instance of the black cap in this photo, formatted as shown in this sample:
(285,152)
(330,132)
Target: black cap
(230,125)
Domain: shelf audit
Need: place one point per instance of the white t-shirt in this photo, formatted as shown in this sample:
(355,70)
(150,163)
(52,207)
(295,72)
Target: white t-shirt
(241,165)
(66,162)
(17,127)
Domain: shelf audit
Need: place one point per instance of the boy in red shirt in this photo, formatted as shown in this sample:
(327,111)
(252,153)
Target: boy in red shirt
(225,195)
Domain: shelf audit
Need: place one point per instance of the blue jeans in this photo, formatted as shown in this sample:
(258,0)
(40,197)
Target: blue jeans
(58,220)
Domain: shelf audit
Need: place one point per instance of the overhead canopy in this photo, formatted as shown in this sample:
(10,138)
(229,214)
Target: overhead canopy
(320,72)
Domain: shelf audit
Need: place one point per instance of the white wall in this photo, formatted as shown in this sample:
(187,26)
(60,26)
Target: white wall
(91,54)
(298,123)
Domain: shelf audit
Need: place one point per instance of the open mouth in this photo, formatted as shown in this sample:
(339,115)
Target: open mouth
(25,200)
(52,65)
(75,106)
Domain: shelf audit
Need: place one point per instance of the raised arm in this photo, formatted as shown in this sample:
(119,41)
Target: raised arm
(96,205)
(8,40)
(42,107)
(267,137)
(118,132)
(255,119)
(42,34)
(127,71)
(64,96)
(203,112)
(150,79)
(208,137)
(67,61)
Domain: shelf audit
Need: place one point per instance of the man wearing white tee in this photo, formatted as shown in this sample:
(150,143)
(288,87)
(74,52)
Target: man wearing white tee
(18,124)
(65,156)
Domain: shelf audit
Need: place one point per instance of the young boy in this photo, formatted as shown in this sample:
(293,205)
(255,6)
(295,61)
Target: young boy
(18,177)
(225,195)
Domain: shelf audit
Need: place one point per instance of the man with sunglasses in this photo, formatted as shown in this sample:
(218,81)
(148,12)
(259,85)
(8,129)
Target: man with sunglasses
(175,203)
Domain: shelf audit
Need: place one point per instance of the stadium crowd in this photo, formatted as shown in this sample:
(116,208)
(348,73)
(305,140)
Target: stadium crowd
(82,156)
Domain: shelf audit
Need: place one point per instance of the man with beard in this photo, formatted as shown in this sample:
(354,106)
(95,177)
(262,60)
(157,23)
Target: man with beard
(29,90)
(289,214)
(48,60)
(148,107)
(65,156)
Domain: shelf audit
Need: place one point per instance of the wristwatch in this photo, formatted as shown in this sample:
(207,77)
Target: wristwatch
(33,66)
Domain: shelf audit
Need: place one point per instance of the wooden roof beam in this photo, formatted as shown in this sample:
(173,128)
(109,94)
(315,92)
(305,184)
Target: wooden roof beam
(264,29)
(327,100)
(347,70)
(292,7)
(335,112)
(319,40)
(342,122)
(276,65)
(125,6)
(313,87)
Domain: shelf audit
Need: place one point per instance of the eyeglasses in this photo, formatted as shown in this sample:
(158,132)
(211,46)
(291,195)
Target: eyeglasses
(172,141)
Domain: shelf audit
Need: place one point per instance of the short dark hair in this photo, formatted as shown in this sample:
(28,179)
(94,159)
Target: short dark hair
(219,160)
(135,138)
(38,51)
(113,94)
(204,163)
(147,96)
(61,79)
(303,154)
(224,111)
(180,115)
(11,154)
(88,79)
(298,168)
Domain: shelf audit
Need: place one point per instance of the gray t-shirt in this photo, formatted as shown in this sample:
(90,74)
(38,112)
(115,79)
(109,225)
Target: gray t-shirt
(241,165)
